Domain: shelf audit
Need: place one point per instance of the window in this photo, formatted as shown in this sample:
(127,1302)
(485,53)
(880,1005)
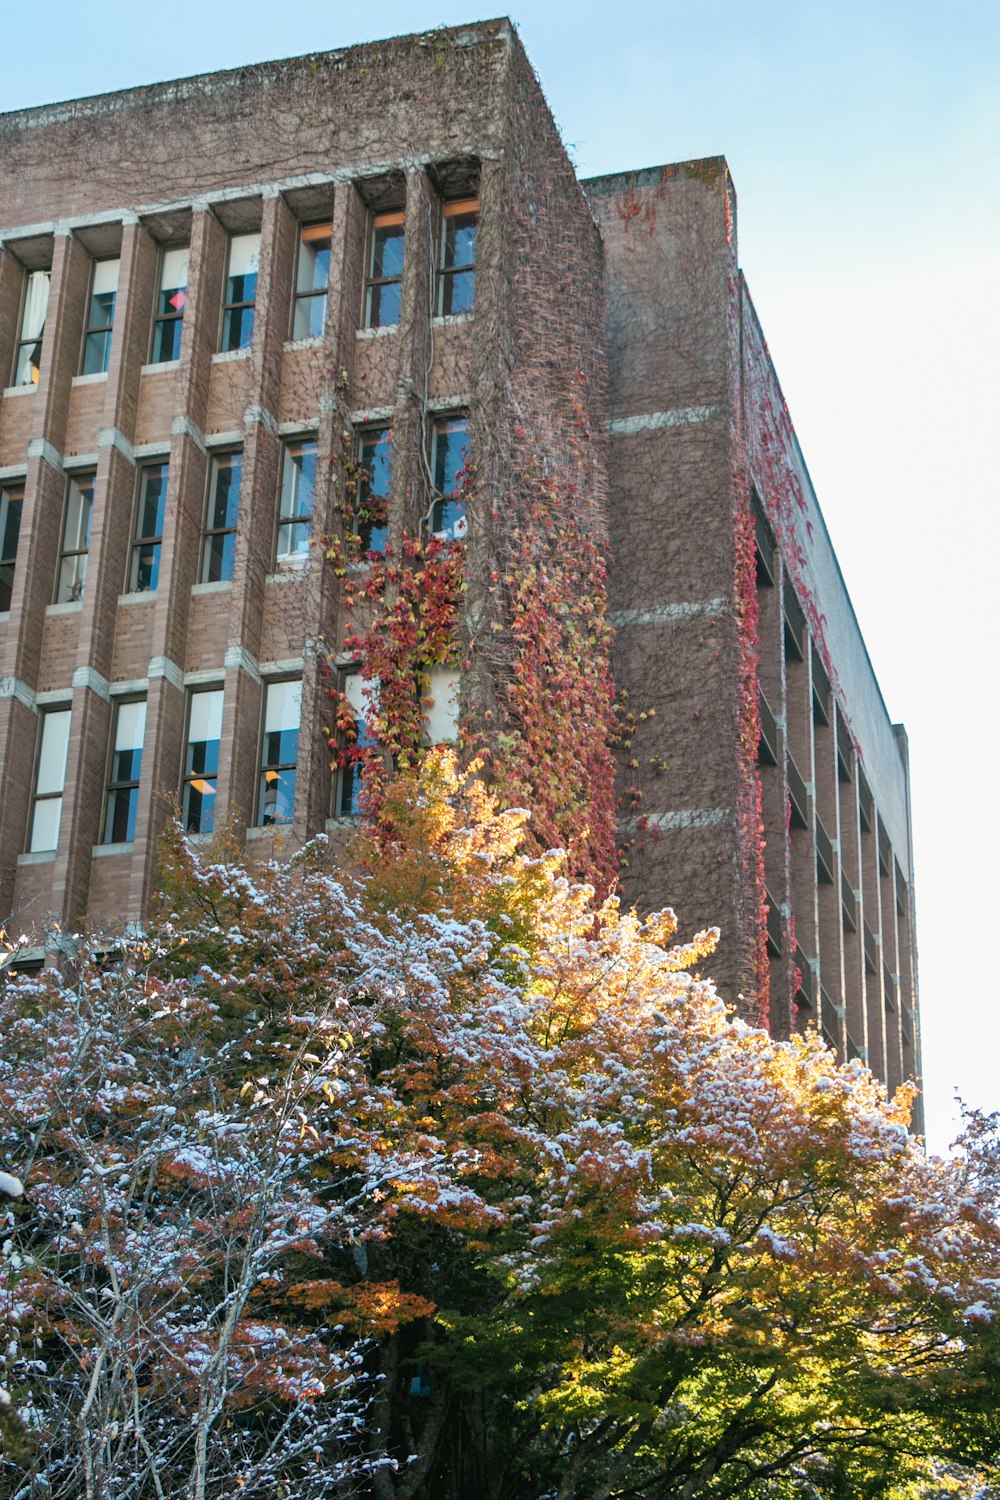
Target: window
(374,479)
(311,281)
(449,458)
(100,317)
(149,513)
(224,478)
(385,271)
(766,547)
(28,362)
(359,692)
(241,291)
(50,777)
(201,761)
(282,711)
(820,692)
(123,779)
(76,538)
(11,501)
(170,303)
(298,489)
(457,271)
(439,709)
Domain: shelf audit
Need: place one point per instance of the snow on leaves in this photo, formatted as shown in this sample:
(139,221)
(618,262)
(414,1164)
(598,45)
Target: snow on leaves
(328,1171)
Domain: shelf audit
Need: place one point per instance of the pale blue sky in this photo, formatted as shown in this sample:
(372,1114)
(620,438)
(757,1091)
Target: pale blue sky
(863,140)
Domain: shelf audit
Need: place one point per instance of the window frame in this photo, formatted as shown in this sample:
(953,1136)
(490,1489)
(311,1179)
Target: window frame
(284,562)
(388,219)
(447,272)
(38,797)
(151,540)
(115,787)
(234,305)
(315,294)
(456,531)
(174,319)
(35,341)
(365,530)
(11,494)
(347,785)
(95,330)
(75,593)
(192,775)
(209,531)
(274,770)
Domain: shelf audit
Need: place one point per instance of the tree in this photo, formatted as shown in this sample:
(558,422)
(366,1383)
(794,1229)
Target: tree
(429,1179)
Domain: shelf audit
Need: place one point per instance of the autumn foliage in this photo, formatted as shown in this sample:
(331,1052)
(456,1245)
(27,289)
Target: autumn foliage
(433,1180)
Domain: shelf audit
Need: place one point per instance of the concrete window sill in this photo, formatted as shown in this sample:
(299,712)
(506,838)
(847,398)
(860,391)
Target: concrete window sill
(98,378)
(220,586)
(68,607)
(377,333)
(20,390)
(108,851)
(139,598)
(37,857)
(166,367)
(226,356)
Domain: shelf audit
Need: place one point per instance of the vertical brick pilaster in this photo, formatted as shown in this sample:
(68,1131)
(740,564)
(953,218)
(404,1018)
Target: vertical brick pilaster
(410,497)
(161,761)
(83,801)
(239,750)
(63,341)
(18,741)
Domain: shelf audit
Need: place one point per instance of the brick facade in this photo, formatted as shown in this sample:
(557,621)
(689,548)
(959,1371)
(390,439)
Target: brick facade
(688,450)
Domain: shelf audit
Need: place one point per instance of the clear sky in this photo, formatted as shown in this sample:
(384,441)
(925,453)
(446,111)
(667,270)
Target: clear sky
(863,138)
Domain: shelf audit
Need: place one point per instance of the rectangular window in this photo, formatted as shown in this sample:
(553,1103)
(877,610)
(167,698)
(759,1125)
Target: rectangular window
(76,538)
(359,692)
(123,779)
(385,271)
(312,279)
(28,362)
(201,761)
(100,317)
(149,513)
(449,461)
(224,478)
(279,753)
(298,493)
(374,480)
(170,303)
(439,706)
(457,269)
(11,502)
(241,291)
(50,777)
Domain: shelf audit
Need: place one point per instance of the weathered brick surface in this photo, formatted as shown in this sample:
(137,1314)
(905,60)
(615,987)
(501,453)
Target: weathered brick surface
(86,406)
(16,422)
(157,404)
(32,904)
(680,368)
(59,650)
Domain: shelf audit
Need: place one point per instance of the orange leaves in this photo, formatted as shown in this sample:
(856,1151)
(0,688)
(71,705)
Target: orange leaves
(375,1309)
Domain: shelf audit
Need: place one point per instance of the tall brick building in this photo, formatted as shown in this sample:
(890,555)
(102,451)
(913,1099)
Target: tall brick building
(229,302)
